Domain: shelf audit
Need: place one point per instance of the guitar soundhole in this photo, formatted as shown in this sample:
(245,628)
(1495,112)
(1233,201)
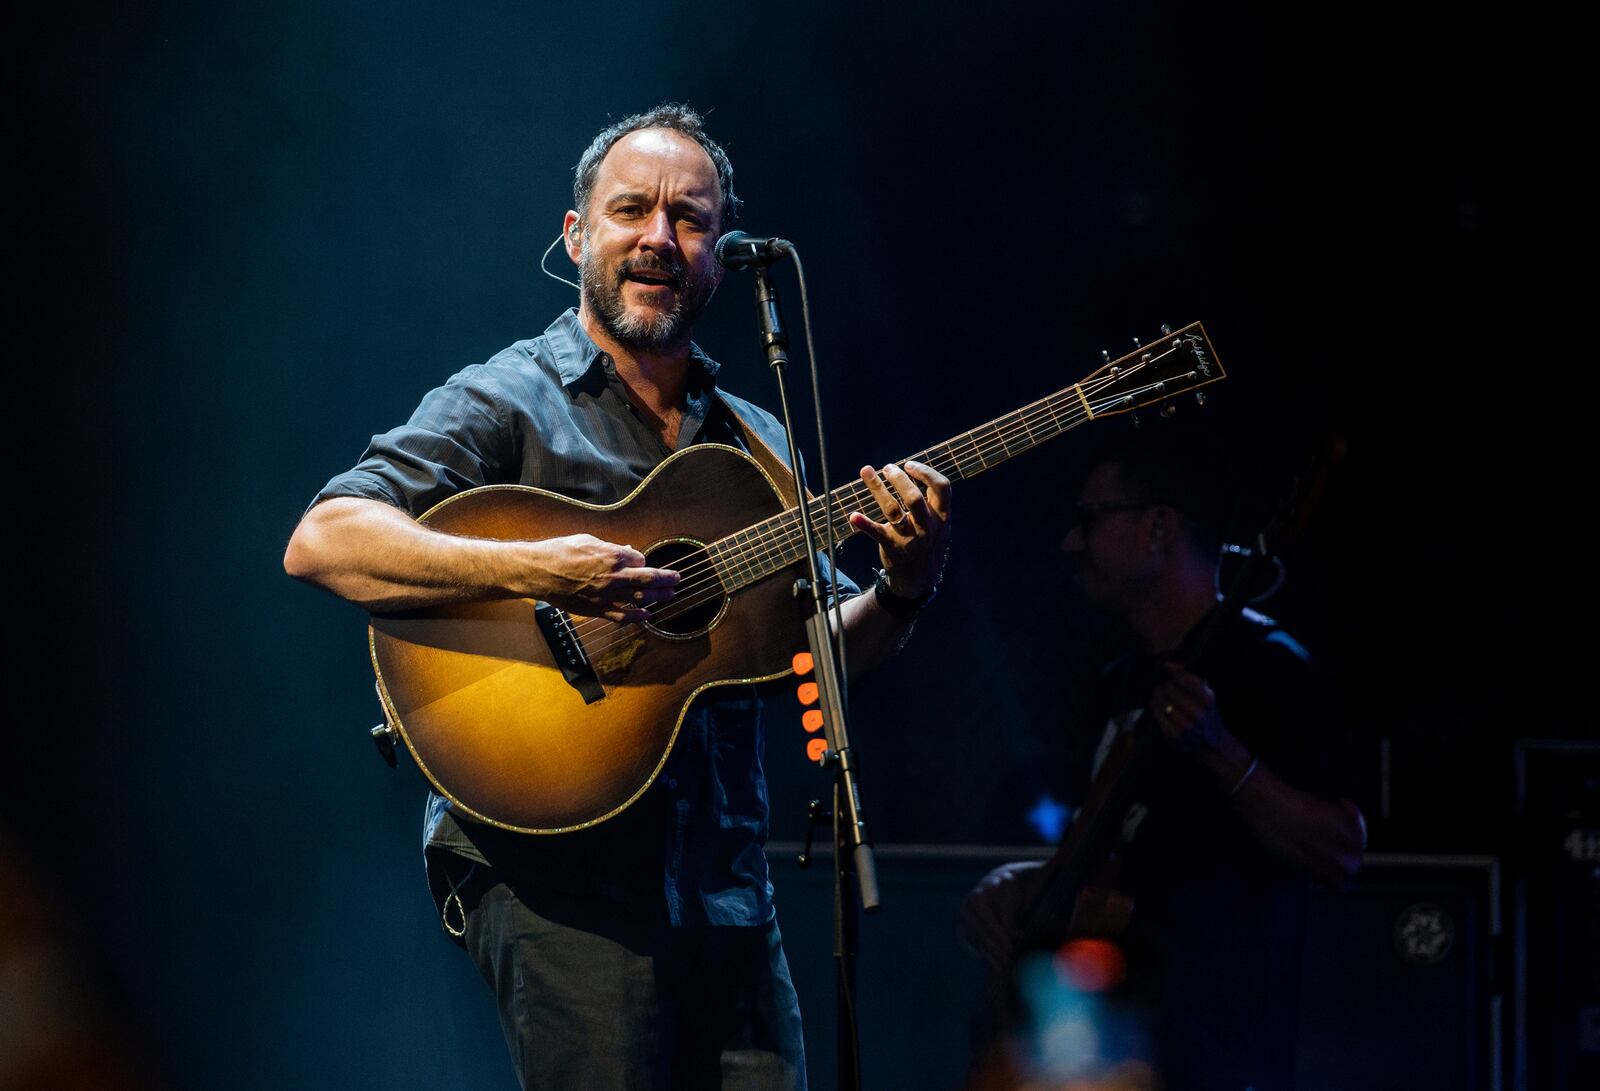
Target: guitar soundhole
(700,597)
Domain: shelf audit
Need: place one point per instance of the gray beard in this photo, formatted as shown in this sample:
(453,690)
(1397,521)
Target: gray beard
(650,332)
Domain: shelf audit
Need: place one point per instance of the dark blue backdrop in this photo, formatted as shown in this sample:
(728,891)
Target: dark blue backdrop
(251,235)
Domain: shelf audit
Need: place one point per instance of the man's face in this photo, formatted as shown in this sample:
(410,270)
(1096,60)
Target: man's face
(1109,545)
(645,256)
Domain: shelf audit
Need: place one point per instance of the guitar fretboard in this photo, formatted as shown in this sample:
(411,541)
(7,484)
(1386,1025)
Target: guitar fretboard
(1180,361)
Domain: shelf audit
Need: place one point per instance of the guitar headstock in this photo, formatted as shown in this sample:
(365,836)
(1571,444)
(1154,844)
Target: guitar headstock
(1175,362)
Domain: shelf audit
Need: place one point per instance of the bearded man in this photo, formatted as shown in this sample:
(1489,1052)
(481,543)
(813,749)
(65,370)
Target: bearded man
(644,951)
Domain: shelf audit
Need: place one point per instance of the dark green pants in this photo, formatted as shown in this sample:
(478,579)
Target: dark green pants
(597,995)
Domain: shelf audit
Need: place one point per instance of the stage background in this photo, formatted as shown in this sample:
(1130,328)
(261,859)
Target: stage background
(252,235)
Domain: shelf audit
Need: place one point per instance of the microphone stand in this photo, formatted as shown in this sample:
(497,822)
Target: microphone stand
(854,867)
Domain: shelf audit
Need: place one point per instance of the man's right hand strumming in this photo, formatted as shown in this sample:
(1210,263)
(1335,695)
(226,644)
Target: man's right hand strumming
(377,556)
(585,575)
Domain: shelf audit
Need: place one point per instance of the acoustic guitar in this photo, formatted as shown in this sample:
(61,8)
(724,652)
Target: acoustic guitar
(541,721)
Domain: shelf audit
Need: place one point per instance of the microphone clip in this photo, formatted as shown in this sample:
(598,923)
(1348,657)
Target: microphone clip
(737,250)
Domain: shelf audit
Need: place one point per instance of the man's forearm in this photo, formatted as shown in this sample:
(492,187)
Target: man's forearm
(378,557)
(872,634)
(1321,838)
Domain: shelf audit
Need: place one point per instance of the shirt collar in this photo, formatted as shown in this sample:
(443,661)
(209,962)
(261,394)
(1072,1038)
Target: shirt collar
(574,353)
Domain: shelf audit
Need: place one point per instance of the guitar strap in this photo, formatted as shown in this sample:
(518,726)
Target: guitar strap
(758,449)
(765,456)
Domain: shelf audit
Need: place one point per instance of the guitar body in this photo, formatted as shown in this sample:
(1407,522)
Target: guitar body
(478,694)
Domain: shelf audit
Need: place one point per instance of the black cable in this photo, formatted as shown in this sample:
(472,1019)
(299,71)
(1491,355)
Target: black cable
(827,487)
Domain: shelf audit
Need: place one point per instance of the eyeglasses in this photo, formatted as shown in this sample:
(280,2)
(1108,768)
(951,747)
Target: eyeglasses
(1087,514)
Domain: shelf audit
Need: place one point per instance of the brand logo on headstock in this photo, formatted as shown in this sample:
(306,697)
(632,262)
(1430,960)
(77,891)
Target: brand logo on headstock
(1197,348)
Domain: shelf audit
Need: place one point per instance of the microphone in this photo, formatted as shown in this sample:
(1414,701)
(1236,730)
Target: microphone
(736,250)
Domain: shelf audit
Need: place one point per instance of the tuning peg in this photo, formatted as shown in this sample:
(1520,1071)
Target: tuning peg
(1199,397)
(1169,411)
(1166,329)
(1106,356)
(1137,423)
(1137,343)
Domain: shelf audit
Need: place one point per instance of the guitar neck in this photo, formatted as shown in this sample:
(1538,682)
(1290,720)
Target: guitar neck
(1177,362)
(775,543)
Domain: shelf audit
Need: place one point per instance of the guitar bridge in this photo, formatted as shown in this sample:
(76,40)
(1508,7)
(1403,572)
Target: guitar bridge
(569,653)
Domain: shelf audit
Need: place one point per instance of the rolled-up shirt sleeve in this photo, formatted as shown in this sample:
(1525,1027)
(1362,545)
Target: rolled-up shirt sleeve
(457,439)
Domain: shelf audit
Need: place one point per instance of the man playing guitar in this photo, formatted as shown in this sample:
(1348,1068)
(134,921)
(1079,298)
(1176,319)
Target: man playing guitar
(642,950)
(1240,807)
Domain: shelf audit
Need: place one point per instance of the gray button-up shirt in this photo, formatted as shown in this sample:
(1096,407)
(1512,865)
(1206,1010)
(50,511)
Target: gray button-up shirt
(551,412)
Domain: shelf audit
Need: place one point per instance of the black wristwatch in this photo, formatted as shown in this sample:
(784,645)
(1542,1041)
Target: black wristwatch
(898,606)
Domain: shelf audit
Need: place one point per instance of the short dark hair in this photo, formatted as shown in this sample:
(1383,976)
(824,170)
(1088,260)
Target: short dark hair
(669,115)
(1181,468)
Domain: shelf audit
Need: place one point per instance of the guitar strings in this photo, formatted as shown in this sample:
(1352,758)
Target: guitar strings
(779,535)
(781,538)
(767,542)
(777,538)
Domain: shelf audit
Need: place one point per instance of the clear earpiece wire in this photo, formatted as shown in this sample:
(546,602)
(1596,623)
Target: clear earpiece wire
(545,269)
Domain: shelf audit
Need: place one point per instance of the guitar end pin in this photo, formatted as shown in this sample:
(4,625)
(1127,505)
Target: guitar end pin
(383,739)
